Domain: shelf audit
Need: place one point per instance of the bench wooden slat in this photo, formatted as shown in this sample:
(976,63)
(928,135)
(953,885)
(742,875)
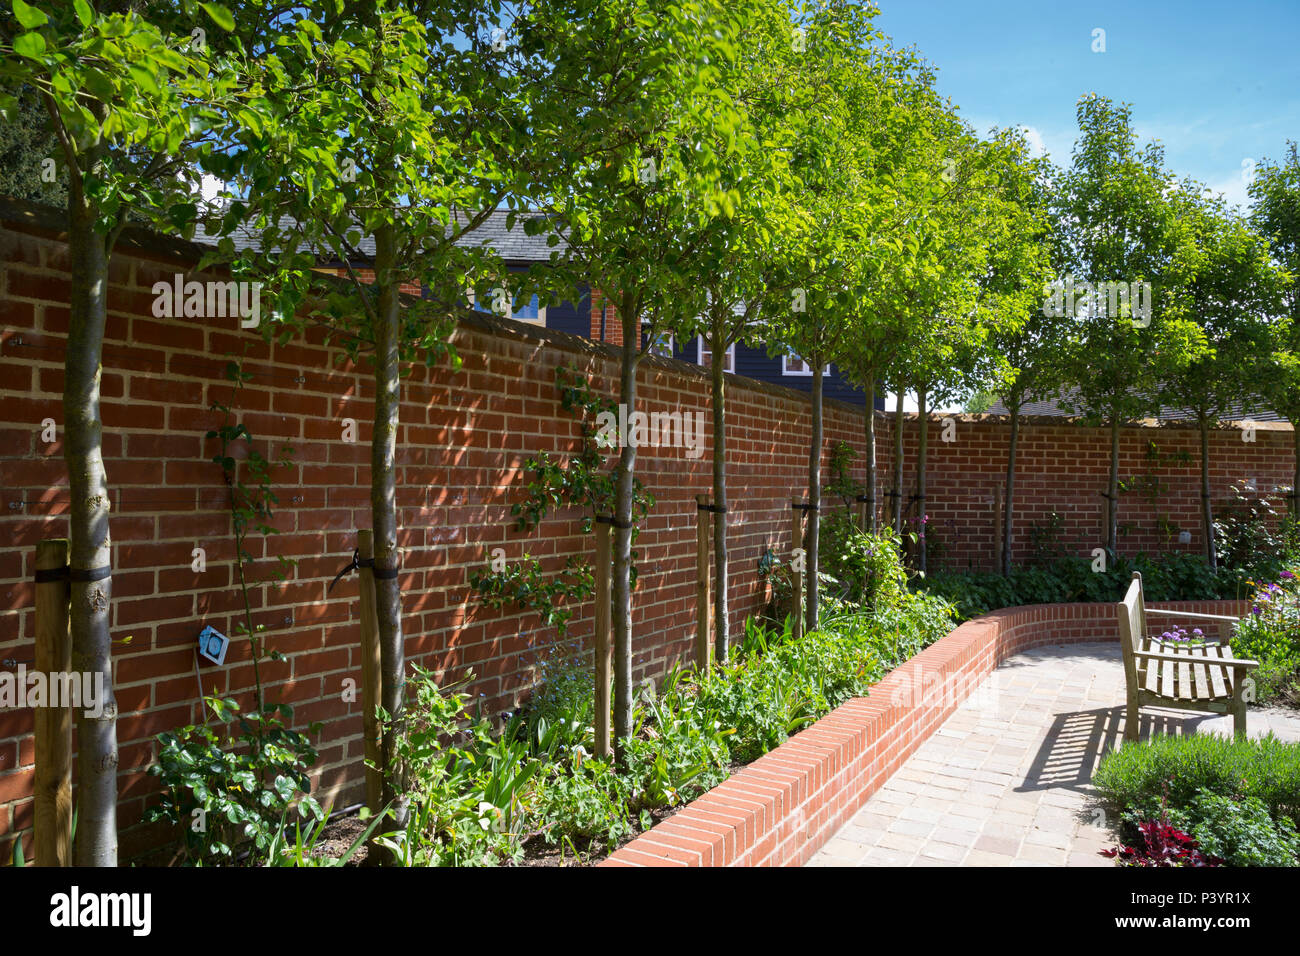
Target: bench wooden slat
(1226,660)
(1170,690)
(1151,671)
(1167,688)
(1218,686)
(1200,617)
(1185,689)
(1201,674)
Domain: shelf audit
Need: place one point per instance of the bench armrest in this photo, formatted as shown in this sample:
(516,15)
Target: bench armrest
(1203,617)
(1232,662)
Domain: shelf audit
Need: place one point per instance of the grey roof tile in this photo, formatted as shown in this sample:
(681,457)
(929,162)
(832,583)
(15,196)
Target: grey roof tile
(1066,405)
(513,244)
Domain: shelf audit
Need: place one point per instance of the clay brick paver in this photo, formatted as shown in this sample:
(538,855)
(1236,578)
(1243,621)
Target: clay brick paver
(1005,780)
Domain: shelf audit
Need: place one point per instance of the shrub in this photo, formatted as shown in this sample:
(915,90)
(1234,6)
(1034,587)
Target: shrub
(1241,832)
(1250,533)
(867,568)
(468,798)
(584,799)
(230,796)
(1136,777)
(478,796)
(1170,577)
(1277,682)
(687,734)
(775,686)
(1270,634)
(564,701)
(1160,843)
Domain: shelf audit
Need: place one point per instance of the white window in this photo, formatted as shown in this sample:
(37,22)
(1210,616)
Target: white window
(524,309)
(792,364)
(663,346)
(529,310)
(706,357)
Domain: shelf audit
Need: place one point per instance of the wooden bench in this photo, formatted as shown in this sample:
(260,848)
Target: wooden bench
(1205,677)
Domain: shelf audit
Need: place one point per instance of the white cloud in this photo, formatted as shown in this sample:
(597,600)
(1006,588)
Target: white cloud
(1034,138)
(1233,187)
(910,405)
(210,187)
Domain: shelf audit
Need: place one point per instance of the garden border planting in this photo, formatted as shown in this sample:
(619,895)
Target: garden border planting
(782,808)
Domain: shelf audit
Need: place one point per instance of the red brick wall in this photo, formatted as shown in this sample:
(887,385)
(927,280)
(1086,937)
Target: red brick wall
(368,275)
(464,439)
(605,324)
(1063,468)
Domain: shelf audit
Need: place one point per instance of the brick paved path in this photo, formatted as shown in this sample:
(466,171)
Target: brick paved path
(1005,780)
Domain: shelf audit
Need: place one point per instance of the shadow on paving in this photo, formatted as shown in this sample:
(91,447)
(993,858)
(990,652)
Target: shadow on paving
(1073,747)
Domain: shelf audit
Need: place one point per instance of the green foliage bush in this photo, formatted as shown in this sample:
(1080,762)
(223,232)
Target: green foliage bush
(1179,768)
(1270,634)
(1252,534)
(867,568)
(1176,576)
(1237,798)
(1253,541)
(467,784)
(1239,832)
(231,794)
(776,685)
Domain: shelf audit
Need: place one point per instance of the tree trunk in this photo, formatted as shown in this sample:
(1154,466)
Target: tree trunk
(1295,477)
(872,524)
(898,464)
(922,452)
(89,546)
(721,636)
(383,509)
(621,615)
(1207,511)
(1009,504)
(814,498)
(1112,491)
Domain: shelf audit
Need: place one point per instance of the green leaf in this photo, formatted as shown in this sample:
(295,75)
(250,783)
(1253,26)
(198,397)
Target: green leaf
(29,16)
(99,85)
(144,79)
(219,14)
(84,13)
(30,45)
(8,107)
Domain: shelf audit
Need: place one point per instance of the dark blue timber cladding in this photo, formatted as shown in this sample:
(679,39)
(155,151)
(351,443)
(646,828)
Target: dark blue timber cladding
(565,316)
(755,363)
(571,317)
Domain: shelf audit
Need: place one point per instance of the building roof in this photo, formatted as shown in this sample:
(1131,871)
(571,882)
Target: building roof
(1066,405)
(511,244)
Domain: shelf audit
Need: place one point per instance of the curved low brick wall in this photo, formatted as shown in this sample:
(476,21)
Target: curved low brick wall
(779,810)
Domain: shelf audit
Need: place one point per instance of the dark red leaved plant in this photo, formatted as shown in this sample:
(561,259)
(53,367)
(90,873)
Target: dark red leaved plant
(1163,844)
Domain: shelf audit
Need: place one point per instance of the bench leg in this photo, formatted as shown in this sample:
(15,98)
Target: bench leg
(1238,715)
(1132,719)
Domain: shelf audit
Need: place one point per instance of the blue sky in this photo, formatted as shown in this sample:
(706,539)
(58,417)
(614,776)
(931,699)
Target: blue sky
(1217,83)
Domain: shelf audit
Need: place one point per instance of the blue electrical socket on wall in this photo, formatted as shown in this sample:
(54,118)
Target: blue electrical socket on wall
(213,644)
